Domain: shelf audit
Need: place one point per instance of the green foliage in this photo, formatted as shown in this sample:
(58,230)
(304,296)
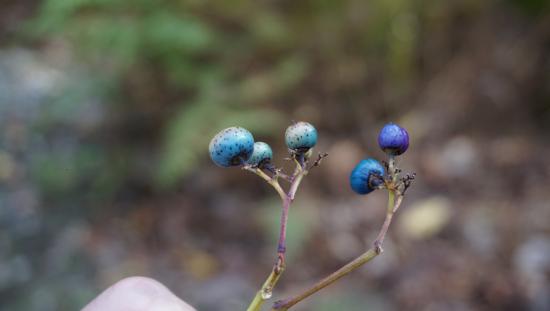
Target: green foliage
(194,54)
(532,7)
(61,173)
(224,63)
(124,33)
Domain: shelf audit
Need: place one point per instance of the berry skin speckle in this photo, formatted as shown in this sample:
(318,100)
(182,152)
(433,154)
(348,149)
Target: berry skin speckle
(262,154)
(300,137)
(366,176)
(231,147)
(393,139)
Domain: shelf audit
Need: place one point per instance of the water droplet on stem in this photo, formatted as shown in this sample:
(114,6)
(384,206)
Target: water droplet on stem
(267,293)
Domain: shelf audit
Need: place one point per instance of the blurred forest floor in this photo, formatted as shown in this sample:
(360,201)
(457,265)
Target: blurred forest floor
(107,108)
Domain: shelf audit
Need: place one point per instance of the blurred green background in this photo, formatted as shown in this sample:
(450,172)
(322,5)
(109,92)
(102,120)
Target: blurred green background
(107,108)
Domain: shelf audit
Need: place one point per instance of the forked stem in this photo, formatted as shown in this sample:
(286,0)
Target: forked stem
(273,181)
(266,290)
(394,200)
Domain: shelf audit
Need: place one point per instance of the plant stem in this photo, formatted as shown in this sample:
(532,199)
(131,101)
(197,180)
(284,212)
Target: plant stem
(389,215)
(270,180)
(335,276)
(375,250)
(266,290)
(281,247)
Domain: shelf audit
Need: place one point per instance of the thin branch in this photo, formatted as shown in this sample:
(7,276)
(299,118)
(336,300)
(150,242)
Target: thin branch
(281,245)
(273,181)
(277,172)
(266,290)
(281,248)
(356,263)
(394,201)
(393,205)
(320,158)
(284,176)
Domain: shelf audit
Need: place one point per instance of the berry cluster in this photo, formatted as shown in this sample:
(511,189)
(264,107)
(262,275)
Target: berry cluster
(369,174)
(235,146)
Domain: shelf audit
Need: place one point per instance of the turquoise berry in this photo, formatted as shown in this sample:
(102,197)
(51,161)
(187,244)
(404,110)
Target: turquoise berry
(262,154)
(300,137)
(231,147)
(393,139)
(366,176)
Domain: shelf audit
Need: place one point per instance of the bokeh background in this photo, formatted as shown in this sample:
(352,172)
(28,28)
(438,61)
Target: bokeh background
(107,108)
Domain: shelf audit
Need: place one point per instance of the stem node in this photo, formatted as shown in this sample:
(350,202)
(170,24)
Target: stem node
(378,248)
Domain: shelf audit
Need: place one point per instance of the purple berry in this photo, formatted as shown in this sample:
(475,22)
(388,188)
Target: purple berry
(393,139)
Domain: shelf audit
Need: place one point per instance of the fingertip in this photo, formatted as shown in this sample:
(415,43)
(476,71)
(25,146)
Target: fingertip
(137,293)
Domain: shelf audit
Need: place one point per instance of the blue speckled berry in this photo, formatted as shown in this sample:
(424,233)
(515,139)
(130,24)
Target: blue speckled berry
(362,178)
(393,139)
(231,147)
(300,137)
(262,154)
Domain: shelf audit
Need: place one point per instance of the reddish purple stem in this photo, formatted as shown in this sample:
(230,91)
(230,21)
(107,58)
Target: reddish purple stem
(281,249)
